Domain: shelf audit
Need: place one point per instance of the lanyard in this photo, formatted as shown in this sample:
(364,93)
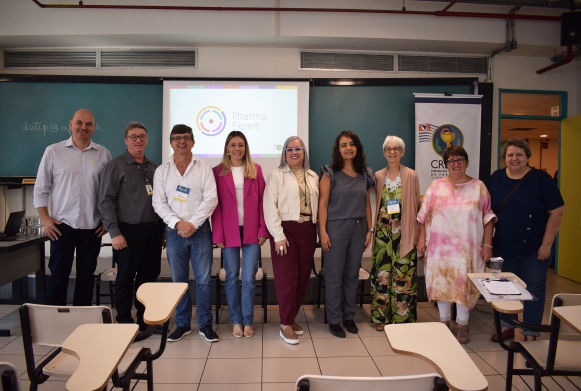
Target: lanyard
(140,170)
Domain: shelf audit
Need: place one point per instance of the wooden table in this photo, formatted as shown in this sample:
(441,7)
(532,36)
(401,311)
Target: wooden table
(160,300)
(99,348)
(571,315)
(435,344)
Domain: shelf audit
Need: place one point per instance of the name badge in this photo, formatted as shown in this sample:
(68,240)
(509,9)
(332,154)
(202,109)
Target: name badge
(181,193)
(392,207)
(149,189)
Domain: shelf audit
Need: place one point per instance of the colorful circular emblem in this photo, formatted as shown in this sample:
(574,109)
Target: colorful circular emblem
(211,121)
(446,136)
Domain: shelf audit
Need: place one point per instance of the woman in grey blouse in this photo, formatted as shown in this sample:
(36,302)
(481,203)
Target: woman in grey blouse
(345,228)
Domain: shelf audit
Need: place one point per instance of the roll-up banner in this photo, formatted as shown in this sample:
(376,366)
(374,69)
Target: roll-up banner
(443,121)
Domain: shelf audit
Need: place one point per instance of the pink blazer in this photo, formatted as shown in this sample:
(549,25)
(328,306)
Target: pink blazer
(225,227)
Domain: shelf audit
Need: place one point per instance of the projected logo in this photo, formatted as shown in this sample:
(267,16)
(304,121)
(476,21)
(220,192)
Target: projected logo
(445,136)
(211,121)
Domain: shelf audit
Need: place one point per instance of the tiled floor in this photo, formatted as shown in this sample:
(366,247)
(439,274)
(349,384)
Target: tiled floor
(266,363)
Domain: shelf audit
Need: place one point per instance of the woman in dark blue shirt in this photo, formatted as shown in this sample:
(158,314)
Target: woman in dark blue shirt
(526,227)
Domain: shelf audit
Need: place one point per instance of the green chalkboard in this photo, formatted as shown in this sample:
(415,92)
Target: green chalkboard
(372,112)
(34,115)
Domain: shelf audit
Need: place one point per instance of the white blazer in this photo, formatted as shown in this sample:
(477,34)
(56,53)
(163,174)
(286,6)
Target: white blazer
(281,200)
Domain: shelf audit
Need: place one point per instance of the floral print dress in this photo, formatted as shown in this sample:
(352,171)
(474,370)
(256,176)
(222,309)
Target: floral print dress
(393,277)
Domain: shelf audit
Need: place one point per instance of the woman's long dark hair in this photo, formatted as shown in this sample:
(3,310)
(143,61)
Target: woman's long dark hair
(359,160)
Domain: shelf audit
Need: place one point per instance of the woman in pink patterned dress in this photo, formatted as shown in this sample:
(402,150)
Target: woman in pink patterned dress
(456,225)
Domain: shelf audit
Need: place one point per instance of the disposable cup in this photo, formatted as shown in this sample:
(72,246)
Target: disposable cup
(496,266)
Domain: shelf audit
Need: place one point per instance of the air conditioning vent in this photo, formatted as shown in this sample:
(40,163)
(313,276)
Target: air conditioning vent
(153,58)
(413,64)
(346,61)
(19,59)
(473,65)
(442,64)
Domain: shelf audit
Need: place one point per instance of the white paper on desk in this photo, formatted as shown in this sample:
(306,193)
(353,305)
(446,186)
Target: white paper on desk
(502,288)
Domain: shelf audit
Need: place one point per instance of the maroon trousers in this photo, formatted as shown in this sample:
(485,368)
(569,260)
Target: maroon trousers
(293,270)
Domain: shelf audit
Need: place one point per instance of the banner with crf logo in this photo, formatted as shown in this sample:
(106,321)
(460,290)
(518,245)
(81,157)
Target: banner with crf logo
(442,121)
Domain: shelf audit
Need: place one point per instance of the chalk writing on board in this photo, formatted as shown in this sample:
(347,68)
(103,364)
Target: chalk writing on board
(52,128)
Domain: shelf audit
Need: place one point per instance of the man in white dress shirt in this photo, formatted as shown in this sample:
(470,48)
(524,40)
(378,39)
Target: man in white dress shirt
(70,171)
(184,196)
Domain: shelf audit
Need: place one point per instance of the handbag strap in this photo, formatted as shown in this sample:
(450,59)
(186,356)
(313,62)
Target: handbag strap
(513,190)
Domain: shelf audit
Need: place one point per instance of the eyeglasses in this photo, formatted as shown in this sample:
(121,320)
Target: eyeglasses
(395,149)
(178,138)
(134,137)
(296,149)
(452,162)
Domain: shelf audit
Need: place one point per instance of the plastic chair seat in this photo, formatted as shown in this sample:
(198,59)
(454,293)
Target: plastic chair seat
(568,356)
(259,274)
(64,365)
(364,274)
(109,275)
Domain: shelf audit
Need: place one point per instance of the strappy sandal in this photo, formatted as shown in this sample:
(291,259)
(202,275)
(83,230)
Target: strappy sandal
(238,333)
(463,334)
(248,332)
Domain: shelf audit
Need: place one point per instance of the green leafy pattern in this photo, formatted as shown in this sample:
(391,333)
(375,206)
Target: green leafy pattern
(393,279)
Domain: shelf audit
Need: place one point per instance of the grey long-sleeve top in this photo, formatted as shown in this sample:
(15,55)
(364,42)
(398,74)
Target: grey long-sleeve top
(123,196)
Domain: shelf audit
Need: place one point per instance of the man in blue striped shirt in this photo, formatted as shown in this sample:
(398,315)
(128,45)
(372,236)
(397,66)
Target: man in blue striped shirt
(69,170)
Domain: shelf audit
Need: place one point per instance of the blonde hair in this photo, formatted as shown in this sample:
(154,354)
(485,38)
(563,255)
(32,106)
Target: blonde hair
(249,166)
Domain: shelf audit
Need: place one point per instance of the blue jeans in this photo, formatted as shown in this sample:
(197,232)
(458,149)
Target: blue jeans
(534,273)
(198,248)
(250,253)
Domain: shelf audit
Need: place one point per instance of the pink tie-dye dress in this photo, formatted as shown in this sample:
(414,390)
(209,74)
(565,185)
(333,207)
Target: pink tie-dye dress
(455,216)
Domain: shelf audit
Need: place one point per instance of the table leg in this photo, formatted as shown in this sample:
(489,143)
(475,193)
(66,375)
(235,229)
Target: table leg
(41,277)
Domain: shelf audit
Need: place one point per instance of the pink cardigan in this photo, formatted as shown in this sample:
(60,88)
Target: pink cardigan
(410,199)
(225,227)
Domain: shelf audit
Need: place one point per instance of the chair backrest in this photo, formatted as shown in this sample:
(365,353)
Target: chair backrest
(424,382)
(8,376)
(51,325)
(568,299)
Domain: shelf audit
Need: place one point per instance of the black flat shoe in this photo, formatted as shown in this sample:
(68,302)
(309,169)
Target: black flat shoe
(337,331)
(350,326)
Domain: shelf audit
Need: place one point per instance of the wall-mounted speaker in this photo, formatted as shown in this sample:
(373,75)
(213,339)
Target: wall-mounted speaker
(571,28)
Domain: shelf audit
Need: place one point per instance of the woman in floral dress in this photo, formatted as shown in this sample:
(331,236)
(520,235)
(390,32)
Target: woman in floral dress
(393,269)
(456,225)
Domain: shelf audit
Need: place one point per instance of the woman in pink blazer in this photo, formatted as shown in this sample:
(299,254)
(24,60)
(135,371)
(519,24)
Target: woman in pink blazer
(238,223)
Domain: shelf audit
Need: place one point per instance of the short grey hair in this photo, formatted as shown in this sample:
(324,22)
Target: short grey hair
(134,125)
(394,139)
(283,161)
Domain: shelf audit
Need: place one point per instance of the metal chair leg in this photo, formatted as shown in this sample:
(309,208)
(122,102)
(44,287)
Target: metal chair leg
(112,294)
(265,299)
(218,298)
(149,375)
(98,290)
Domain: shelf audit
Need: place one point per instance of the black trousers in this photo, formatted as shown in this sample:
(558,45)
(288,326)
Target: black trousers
(137,263)
(62,254)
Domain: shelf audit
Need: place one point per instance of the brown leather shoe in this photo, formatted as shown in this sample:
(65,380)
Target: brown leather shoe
(288,335)
(506,334)
(297,329)
(379,326)
(530,338)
